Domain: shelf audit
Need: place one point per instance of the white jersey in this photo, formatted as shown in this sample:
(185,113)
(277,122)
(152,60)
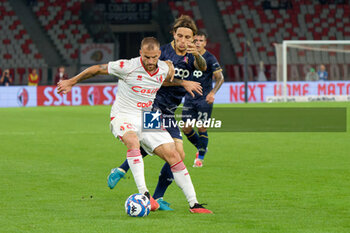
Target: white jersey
(137,88)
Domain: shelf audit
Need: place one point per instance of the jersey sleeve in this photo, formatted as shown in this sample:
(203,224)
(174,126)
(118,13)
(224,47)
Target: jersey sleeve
(165,67)
(119,68)
(213,64)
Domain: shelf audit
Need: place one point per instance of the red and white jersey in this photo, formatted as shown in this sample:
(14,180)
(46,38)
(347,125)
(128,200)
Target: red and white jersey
(137,88)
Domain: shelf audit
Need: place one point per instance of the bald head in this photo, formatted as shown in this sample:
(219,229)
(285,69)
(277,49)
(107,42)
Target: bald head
(150,43)
(150,53)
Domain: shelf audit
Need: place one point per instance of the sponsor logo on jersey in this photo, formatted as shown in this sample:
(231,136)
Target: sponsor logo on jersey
(151,120)
(139,78)
(142,90)
(144,105)
(197,73)
(181,73)
(22,97)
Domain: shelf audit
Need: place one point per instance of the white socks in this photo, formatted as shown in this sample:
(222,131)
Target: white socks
(183,180)
(135,162)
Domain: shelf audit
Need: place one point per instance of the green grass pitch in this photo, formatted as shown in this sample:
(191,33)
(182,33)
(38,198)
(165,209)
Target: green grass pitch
(54,162)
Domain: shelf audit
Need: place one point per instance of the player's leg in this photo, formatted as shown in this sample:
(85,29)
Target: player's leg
(166,176)
(127,130)
(119,172)
(188,113)
(135,160)
(202,147)
(182,177)
(204,114)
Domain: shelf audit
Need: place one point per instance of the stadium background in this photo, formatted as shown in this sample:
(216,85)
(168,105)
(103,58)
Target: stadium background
(45,34)
(54,160)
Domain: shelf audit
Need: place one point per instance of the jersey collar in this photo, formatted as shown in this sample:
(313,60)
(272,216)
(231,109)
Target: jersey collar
(150,74)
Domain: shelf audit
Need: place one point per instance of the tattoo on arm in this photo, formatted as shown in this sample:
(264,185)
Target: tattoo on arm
(200,63)
(90,72)
(219,81)
(104,67)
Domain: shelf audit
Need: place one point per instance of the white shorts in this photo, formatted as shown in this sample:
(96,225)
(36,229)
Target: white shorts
(148,140)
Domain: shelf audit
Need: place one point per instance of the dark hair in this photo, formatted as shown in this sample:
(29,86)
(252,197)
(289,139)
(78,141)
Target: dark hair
(202,33)
(150,42)
(185,21)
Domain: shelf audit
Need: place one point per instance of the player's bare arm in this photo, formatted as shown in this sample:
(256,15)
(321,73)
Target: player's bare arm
(219,79)
(199,61)
(171,72)
(65,86)
(190,86)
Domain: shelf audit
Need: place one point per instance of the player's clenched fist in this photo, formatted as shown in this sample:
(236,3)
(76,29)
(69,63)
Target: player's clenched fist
(191,48)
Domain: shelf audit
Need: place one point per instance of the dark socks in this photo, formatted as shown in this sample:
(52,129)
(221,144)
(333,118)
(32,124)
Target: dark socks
(165,179)
(193,137)
(202,144)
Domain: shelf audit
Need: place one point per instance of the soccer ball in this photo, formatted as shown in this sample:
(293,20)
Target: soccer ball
(137,205)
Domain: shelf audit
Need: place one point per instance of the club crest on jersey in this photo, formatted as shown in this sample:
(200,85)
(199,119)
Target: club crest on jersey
(139,78)
(186,59)
(160,79)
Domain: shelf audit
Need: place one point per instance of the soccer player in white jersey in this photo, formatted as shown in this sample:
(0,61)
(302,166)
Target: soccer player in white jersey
(139,80)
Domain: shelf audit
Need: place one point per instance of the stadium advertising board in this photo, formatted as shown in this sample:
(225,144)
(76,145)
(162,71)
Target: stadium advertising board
(260,91)
(79,95)
(18,96)
(230,92)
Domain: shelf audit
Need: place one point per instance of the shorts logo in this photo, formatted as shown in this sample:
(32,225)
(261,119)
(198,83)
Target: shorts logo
(122,128)
(151,120)
(22,97)
(197,73)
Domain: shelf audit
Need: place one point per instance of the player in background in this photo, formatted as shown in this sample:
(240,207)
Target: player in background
(139,80)
(201,106)
(183,53)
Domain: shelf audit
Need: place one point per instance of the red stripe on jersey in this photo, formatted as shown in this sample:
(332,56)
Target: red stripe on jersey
(147,71)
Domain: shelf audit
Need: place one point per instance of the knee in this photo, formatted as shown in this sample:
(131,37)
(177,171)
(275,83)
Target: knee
(182,154)
(173,157)
(131,141)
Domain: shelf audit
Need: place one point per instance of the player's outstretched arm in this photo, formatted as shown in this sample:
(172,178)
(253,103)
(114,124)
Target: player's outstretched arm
(171,72)
(219,78)
(65,86)
(190,86)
